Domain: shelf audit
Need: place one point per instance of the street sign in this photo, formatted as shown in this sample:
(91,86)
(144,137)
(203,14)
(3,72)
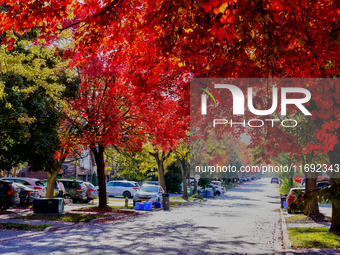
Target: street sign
(197,177)
(297,178)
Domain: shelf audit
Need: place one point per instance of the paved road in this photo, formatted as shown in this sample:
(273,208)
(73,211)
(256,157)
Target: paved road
(245,220)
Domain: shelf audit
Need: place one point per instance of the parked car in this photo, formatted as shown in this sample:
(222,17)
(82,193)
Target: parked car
(122,188)
(146,192)
(9,195)
(27,195)
(91,191)
(151,182)
(218,183)
(32,183)
(291,196)
(74,190)
(274,180)
(322,185)
(219,190)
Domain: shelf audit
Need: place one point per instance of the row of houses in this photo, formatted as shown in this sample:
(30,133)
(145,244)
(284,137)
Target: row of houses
(82,169)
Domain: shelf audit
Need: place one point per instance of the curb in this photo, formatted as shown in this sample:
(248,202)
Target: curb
(286,241)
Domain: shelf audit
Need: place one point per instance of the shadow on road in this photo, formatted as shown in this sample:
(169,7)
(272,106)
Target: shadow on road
(153,239)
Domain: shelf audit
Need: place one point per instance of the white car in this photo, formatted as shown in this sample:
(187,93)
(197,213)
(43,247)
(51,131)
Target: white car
(122,188)
(150,193)
(219,190)
(32,183)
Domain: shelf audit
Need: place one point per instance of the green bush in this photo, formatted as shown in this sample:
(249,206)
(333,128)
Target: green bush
(203,182)
(173,178)
(285,186)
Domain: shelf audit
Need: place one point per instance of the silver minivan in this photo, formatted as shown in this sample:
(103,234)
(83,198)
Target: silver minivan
(122,188)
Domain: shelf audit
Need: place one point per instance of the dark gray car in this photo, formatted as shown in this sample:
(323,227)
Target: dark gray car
(91,191)
(74,190)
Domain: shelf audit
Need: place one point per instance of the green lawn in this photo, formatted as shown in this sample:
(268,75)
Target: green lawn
(183,200)
(318,237)
(295,217)
(172,203)
(21,226)
(104,210)
(70,217)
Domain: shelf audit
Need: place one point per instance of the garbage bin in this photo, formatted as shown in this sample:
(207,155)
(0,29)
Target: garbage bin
(48,205)
(166,202)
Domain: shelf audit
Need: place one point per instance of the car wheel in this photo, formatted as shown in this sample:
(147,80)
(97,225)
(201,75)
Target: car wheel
(126,194)
(26,200)
(218,193)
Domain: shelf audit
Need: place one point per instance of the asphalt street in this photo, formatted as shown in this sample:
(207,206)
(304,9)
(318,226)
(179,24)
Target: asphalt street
(244,220)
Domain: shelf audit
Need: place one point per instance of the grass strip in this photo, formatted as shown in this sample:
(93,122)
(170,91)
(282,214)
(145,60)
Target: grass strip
(172,203)
(317,237)
(108,209)
(25,227)
(69,217)
(295,217)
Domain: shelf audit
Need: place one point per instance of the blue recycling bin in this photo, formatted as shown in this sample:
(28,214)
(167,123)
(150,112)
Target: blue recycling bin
(139,206)
(157,205)
(148,206)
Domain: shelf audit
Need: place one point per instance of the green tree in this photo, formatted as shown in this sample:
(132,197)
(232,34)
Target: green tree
(173,178)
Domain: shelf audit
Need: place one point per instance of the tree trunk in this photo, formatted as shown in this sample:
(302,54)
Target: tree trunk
(14,171)
(161,177)
(334,157)
(184,178)
(50,183)
(335,226)
(313,206)
(160,157)
(99,158)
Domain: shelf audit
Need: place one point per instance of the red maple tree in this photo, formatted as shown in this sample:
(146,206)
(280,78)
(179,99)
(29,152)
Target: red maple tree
(159,45)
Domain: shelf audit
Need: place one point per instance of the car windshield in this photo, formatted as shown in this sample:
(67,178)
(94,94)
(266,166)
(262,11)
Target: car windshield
(90,185)
(153,189)
(39,183)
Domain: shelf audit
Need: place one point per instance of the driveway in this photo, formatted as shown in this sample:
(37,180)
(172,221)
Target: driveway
(244,220)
